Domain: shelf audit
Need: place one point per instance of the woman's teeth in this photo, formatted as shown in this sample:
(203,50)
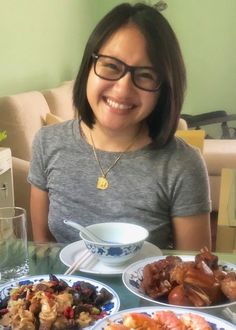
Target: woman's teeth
(117,105)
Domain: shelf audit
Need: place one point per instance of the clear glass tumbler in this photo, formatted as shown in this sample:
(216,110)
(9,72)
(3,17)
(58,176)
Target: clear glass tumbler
(13,243)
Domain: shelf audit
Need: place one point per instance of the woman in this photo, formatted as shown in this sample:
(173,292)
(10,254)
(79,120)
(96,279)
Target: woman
(120,161)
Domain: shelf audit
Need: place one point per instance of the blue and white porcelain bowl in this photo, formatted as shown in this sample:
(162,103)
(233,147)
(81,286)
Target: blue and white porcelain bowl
(124,241)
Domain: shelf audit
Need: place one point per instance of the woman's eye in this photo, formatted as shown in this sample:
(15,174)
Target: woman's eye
(111,66)
(146,75)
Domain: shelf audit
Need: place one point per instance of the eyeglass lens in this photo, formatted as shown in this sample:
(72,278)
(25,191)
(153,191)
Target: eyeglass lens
(110,68)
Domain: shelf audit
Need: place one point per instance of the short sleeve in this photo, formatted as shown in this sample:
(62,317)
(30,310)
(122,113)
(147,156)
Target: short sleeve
(37,174)
(190,192)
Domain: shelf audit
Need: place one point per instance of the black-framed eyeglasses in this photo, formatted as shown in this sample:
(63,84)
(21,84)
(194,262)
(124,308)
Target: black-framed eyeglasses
(110,68)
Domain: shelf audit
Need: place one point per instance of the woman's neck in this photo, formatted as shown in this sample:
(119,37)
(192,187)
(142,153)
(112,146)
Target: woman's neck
(108,140)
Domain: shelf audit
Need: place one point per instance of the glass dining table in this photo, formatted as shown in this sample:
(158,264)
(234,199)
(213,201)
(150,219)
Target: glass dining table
(44,259)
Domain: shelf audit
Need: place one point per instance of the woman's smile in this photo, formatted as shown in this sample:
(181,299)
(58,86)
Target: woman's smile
(118,105)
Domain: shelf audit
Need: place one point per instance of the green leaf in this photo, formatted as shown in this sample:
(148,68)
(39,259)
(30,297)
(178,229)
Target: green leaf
(3,135)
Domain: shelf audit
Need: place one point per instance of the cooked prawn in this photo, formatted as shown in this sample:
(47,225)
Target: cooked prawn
(116,326)
(140,321)
(194,322)
(161,320)
(168,320)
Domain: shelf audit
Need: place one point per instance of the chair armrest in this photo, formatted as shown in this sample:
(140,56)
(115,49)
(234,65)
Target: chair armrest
(22,188)
(182,124)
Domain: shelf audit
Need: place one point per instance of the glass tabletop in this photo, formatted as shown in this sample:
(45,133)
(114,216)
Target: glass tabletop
(44,259)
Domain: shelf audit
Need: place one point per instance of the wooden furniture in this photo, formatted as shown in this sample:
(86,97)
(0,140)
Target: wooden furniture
(226,227)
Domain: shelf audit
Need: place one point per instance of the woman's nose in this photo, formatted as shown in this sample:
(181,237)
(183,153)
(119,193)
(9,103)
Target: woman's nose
(126,82)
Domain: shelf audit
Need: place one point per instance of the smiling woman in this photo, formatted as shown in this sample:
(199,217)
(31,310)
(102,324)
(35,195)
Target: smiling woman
(120,160)
(211,78)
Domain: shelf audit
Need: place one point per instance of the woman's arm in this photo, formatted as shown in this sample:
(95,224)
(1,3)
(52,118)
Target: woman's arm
(39,205)
(192,232)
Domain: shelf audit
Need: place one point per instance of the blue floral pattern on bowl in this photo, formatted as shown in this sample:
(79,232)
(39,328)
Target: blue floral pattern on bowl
(114,251)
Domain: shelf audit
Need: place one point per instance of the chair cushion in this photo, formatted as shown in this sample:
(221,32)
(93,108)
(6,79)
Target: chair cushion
(60,100)
(52,119)
(193,137)
(22,116)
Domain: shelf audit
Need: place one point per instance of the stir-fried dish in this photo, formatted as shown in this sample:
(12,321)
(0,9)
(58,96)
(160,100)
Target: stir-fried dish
(202,282)
(53,305)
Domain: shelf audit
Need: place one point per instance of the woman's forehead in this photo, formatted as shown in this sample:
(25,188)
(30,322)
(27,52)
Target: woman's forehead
(127,44)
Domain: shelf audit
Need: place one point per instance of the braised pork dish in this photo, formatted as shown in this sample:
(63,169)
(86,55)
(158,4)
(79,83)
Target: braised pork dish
(202,282)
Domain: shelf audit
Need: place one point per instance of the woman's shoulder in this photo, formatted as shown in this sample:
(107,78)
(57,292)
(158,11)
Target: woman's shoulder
(57,133)
(182,161)
(65,128)
(180,153)
(179,145)
(65,125)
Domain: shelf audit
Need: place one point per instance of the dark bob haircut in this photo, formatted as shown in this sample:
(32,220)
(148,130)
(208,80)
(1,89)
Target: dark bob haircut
(165,54)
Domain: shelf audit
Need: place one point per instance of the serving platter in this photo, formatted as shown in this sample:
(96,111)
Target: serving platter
(109,308)
(133,275)
(216,323)
(93,265)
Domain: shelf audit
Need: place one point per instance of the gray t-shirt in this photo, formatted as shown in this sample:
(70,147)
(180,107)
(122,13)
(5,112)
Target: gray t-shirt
(146,187)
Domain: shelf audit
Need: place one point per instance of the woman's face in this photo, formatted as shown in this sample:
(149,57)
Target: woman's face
(120,105)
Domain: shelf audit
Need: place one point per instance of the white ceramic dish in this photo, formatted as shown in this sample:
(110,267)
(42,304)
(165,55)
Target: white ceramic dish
(133,274)
(121,241)
(215,322)
(94,266)
(110,307)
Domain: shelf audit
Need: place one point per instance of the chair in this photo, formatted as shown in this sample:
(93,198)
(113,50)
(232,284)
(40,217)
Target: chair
(21,116)
(215,117)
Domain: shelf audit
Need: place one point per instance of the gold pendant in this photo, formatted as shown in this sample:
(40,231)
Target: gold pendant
(102,183)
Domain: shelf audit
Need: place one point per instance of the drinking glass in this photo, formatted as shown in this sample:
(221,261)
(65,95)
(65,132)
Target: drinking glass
(13,243)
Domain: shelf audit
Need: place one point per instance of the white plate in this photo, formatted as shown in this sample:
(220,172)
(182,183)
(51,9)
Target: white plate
(215,322)
(133,274)
(111,307)
(93,265)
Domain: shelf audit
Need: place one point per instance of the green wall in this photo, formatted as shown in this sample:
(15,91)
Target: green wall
(207,33)
(42,42)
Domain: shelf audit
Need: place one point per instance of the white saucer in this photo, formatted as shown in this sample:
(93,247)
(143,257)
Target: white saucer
(93,265)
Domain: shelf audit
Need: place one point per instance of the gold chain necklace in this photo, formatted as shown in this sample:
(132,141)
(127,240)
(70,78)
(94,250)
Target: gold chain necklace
(102,182)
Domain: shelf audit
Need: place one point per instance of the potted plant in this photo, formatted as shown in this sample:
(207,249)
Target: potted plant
(3,135)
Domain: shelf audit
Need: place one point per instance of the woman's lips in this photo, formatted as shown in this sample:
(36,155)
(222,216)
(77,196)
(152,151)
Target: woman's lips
(118,105)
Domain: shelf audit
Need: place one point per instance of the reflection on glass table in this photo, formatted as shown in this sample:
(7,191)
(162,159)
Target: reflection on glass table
(44,259)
